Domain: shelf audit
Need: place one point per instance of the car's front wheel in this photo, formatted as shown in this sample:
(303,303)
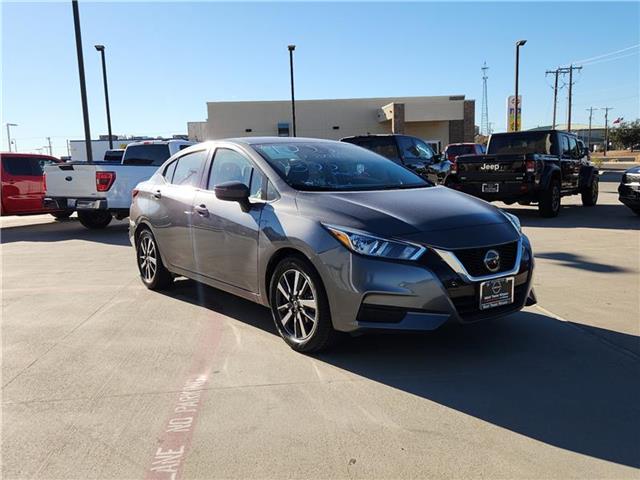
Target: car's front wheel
(300,307)
(153,273)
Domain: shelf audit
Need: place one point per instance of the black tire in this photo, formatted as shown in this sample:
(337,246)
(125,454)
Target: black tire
(95,220)
(590,194)
(62,215)
(153,273)
(303,327)
(549,205)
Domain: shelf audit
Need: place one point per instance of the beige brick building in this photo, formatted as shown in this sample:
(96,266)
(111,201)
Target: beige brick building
(445,119)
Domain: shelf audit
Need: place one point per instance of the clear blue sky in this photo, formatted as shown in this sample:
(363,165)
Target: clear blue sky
(166,60)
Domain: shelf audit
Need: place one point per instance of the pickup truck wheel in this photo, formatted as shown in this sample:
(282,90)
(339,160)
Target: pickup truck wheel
(95,220)
(153,273)
(62,215)
(549,205)
(590,194)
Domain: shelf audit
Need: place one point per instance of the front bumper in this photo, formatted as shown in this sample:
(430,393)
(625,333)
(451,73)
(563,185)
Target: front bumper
(371,294)
(629,194)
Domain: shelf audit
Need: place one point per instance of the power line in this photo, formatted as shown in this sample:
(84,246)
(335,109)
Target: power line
(607,54)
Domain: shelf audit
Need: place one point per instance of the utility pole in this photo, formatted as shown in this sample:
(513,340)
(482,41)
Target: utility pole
(571,69)
(555,93)
(516,124)
(589,138)
(83,86)
(606,128)
(50,149)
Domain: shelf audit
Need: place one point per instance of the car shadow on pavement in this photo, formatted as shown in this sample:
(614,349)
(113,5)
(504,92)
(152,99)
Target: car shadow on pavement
(69,229)
(566,259)
(563,384)
(528,373)
(613,217)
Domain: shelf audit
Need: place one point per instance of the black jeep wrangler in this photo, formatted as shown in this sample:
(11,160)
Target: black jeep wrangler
(538,166)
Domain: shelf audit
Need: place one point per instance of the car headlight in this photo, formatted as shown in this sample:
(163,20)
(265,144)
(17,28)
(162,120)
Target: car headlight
(515,221)
(373,246)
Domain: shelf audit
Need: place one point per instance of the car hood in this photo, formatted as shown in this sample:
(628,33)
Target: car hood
(435,216)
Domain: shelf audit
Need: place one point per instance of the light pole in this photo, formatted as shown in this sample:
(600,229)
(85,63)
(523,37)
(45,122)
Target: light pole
(9,125)
(516,125)
(293,98)
(100,48)
(83,86)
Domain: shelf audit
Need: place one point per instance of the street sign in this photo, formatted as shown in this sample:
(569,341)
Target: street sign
(511,113)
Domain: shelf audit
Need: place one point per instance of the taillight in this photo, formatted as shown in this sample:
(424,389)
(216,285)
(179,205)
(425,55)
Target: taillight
(531,166)
(44,181)
(104,180)
(454,167)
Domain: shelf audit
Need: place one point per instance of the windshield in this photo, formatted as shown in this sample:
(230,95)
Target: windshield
(522,143)
(333,166)
(151,154)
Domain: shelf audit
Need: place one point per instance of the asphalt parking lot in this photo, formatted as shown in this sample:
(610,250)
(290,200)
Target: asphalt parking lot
(105,379)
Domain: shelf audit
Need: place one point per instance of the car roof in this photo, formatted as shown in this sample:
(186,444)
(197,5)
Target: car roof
(30,155)
(157,142)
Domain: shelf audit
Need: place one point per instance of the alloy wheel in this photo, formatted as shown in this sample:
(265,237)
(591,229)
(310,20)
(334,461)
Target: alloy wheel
(147,258)
(297,304)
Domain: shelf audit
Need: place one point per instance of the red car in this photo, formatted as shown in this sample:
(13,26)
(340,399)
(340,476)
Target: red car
(23,184)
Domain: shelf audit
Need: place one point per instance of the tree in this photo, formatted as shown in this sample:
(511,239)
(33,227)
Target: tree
(626,135)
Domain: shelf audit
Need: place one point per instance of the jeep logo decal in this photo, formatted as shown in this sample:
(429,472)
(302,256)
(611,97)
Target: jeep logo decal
(490,166)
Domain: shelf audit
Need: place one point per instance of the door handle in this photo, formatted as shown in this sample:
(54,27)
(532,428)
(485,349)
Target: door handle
(202,210)
(157,194)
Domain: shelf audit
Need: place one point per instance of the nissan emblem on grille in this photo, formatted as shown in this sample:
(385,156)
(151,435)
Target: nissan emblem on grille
(492,260)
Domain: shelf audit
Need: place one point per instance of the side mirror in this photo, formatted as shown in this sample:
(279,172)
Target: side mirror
(233,192)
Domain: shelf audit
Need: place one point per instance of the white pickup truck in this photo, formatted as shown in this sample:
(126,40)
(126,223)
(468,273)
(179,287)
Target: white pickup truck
(101,190)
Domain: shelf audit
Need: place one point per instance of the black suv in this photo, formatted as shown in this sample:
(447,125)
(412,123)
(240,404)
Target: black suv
(538,166)
(408,151)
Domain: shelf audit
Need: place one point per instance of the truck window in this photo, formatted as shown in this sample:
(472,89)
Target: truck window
(521,143)
(150,154)
(21,167)
(385,146)
(566,149)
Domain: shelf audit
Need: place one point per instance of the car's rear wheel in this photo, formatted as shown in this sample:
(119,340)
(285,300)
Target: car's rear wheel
(549,205)
(62,215)
(153,273)
(95,220)
(590,194)
(300,307)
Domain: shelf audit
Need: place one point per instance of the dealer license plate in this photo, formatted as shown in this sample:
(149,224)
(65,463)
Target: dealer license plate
(490,187)
(495,293)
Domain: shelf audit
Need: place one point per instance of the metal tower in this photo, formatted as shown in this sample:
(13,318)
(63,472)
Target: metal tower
(484,115)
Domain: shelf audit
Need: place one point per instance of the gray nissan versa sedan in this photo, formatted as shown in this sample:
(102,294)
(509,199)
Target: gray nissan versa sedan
(332,237)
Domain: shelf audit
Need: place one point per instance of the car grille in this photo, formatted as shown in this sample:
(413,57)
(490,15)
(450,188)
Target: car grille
(473,258)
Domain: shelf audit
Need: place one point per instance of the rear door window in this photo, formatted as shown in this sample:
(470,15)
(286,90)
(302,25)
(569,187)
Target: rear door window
(189,169)
(385,146)
(168,171)
(21,166)
(566,149)
(150,154)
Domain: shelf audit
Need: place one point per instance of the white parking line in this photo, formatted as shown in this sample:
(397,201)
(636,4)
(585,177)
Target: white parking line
(577,326)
